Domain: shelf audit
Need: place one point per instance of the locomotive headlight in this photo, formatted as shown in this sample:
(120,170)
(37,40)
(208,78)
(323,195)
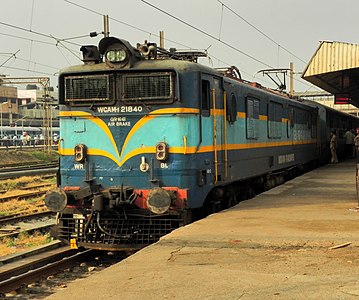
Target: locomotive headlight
(80,152)
(116,55)
(161,151)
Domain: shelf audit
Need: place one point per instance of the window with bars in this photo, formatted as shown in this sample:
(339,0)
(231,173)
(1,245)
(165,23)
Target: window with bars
(152,87)
(252,119)
(275,111)
(93,88)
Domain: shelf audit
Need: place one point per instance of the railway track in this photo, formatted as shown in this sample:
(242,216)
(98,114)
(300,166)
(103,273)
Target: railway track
(43,269)
(23,166)
(40,185)
(12,226)
(25,195)
(26,148)
(20,270)
(18,170)
(21,217)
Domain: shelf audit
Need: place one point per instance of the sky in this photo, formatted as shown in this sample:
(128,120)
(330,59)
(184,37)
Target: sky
(40,37)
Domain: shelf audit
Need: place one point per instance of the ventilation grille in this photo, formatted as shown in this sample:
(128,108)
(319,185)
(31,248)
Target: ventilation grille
(88,88)
(153,86)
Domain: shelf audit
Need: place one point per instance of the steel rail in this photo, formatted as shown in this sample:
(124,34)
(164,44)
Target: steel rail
(24,217)
(25,273)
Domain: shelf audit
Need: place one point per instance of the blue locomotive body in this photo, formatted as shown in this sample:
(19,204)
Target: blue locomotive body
(150,140)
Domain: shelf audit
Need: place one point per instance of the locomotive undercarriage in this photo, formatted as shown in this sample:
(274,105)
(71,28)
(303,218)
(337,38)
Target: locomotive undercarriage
(224,197)
(109,219)
(115,229)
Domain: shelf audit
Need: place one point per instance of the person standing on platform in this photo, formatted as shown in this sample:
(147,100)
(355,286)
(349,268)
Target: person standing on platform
(356,144)
(349,141)
(333,147)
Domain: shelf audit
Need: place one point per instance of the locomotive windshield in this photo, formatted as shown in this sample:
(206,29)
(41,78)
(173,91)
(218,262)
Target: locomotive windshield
(152,87)
(84,88)
(147,87)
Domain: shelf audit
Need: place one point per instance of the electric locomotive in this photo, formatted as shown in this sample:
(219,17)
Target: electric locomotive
(150,137)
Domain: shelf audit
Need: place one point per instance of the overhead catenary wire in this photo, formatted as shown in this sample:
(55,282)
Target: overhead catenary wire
(215,38)
(178,19)
(13,55)
(29,61)
(29,70)
(60,41)
(138,28)
(63,55)
(36,33)
(126,24)
(32,13)
(31,18)
(260,31)
(150,33)
(221,23)
(26,39)
(207,34)
(35,41)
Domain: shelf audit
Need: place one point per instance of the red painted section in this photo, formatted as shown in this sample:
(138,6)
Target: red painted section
(181,197)
(180,203)
(71,188)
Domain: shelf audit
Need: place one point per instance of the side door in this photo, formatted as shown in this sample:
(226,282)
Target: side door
(213,122)
(290,124)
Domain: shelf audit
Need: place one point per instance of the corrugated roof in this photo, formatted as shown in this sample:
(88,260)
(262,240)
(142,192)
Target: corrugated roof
(334,67)
(332,57)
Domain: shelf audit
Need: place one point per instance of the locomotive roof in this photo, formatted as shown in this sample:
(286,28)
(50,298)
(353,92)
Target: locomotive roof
(179,65)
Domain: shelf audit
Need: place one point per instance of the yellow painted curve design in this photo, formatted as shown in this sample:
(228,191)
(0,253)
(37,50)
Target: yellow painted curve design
(99,122)
(120,160)
(142,150)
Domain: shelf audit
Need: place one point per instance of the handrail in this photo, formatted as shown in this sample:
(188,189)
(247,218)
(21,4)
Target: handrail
(215,136)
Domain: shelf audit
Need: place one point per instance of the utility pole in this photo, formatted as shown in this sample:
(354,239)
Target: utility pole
(162,39)
(47,124)
(291,79)
(106,26)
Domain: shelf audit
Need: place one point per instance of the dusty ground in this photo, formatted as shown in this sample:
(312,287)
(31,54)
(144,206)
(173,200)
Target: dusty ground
(275,246)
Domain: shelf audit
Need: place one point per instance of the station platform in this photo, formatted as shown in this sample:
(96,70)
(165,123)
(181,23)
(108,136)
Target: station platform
(299,240)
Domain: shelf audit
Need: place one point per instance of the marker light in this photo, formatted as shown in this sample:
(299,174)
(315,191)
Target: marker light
(116,56)
(161,151)
(80,152)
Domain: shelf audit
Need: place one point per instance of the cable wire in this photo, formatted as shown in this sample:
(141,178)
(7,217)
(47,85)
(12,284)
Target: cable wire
(207,34)
(33,62)
(36,32)
(126,24)
(13,55)
(261,32)
(28,70)
(215,38)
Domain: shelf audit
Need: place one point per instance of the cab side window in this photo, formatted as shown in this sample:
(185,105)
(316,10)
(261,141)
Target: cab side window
(205,97)
(252,118)
(231,108)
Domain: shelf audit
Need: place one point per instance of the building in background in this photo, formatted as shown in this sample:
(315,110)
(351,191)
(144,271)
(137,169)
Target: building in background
(25,107)
(31,105)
